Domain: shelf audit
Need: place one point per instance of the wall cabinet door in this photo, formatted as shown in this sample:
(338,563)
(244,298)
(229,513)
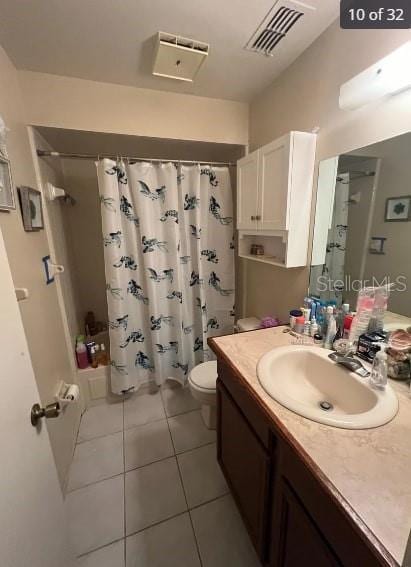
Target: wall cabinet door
(274,181)
(247,191)
(245,465)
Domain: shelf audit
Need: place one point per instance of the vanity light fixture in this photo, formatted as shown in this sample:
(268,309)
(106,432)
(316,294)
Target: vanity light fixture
(388,76)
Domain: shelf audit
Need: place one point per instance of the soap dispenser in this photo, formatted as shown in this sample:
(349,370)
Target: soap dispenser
(379,370)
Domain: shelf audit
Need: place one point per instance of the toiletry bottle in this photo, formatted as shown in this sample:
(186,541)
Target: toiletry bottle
(348,319)
(379,309)
(320,316)
(379,370)
(331,332)
(90,323)
(306,329)
(329,313)
(94,361)
(294,313)
(318,339)
(313,327)
(81,355)
(103,358)
(299,325)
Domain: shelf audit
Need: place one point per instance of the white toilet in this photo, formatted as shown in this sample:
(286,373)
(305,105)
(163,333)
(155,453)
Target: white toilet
(203,377)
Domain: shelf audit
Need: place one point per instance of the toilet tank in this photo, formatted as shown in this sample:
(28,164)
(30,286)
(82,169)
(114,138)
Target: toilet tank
(247,324)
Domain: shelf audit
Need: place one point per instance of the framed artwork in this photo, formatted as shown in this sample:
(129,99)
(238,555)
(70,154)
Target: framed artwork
(6,186)
(398,209)
(31,209)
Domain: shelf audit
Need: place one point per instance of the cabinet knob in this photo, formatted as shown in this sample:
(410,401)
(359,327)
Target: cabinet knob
(258,217)
(253,217)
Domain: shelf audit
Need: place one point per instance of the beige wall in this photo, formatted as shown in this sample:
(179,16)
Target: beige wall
(78,104)
(306,96)
(40,313)
(85,233)
(394,180)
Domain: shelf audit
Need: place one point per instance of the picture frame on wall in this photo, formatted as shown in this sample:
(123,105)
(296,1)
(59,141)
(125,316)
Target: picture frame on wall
(7,202)
(31,209)
(398,209)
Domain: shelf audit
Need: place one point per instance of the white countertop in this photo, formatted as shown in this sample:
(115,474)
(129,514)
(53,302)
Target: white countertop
(371,468)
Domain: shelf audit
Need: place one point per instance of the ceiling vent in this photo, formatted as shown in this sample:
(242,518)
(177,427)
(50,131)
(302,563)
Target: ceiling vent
(277,24)
(178,57)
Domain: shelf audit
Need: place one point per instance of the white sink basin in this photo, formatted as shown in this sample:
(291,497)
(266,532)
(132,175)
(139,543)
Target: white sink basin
(302,377)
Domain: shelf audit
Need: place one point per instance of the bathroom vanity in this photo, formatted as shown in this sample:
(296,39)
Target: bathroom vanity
(309,494)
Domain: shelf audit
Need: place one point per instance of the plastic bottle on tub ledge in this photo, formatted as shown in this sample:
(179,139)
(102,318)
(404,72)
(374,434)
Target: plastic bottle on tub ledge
(81,353)
(103,357)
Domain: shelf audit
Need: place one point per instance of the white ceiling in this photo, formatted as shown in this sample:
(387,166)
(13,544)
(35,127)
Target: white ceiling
(112,40)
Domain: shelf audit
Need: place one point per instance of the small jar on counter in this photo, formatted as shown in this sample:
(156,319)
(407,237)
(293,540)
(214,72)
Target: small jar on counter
(294,313)
(299,325)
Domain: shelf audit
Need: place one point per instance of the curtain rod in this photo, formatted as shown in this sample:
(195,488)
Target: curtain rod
(47,153)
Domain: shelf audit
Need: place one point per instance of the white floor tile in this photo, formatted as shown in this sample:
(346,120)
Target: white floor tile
(96,514)
(101,420)
(153,493)
(169,544)
(188,431)
(147,443)
(178,399)
(201,474)
(221,535)
(142,408)
(96,460)
(110,556)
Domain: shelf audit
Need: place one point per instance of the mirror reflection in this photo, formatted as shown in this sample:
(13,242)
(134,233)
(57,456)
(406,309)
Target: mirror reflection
(362,233)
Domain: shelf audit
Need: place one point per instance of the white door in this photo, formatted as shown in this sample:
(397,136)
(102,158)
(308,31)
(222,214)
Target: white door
(247,191)
(274,185)
(32,522)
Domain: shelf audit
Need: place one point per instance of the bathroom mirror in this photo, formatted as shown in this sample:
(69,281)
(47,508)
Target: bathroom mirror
(362,231)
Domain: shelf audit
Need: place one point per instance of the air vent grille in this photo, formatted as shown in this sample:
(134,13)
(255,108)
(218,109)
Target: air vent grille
(282,17)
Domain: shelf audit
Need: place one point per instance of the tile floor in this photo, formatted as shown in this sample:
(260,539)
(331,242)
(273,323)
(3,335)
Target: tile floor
(145,489)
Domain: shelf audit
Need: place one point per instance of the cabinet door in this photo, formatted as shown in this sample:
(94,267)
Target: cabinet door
(274,183)
(247,188)
(245,465)
(297,540)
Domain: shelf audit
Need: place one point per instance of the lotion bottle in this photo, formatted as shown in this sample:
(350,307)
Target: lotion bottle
(379,370)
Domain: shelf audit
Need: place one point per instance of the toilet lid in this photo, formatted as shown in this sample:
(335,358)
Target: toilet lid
(204,375)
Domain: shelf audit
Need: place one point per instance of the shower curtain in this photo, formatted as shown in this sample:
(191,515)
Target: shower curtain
(334,266)
(169,264)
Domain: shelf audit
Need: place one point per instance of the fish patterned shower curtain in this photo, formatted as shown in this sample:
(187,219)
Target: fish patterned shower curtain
(169,264)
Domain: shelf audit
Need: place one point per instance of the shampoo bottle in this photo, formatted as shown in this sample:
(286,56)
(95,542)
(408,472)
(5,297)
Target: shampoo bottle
(81,355)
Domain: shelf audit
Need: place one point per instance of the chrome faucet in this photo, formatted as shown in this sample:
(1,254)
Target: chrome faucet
(351,363)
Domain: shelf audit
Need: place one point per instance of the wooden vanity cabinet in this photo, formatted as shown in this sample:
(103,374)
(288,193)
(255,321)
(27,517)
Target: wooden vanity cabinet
(293,518)
(246,466)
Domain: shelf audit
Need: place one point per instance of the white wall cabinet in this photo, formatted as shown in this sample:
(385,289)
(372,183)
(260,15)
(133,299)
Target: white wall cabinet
(274,191)
(247,190)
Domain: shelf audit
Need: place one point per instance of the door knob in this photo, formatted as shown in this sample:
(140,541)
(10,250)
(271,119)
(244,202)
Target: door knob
(37,412)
